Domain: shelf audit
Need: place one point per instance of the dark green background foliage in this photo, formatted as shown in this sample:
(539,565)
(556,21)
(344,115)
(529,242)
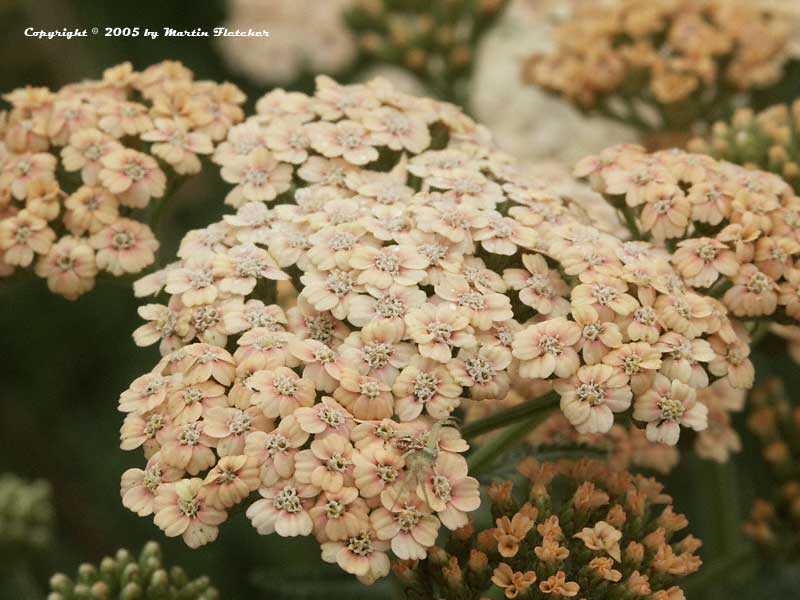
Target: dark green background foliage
(64,364)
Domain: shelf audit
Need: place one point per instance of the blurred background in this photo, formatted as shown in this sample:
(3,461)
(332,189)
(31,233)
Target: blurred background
(64,364)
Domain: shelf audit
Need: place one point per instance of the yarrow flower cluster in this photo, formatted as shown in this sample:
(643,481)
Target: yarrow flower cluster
(767,140)
(661,64)
(26,514)
(437,45)
(775,420)
(305,36)
(579,529)
(733,230)
(79,166)
(123,576)
(427,274)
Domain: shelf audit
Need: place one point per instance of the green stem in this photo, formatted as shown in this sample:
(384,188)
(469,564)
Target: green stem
(758,332)
(509,416)
(630,221)
(488,453)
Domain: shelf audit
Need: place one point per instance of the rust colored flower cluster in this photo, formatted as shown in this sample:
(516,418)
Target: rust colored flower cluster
(385,267)
(81,166)
(662,63)
(767,140)
(733,231)
(579,530)
(775,420)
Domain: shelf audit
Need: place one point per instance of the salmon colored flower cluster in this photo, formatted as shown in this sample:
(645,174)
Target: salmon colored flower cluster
(733,233)
(81,168)
(385,268)
(774,418)
(579,530)
(660,64)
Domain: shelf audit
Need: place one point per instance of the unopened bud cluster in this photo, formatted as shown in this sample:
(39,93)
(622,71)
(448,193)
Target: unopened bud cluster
(124,577)
(767,140)
(26,513)
(437,45)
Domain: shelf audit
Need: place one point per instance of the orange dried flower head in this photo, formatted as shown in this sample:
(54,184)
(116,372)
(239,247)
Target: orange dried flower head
(574,551)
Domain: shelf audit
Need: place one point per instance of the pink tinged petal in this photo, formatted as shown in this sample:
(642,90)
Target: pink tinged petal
(198,534)
(453,518)
(172,521)
(355,565)
(466,496)
(696,417)
(426,531)
(406,548)
(292,525)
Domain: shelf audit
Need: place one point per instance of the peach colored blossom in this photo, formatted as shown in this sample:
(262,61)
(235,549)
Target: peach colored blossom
(90,209)
(449,491)
(410,528)
(382,267)
(182,508)
(327,465)
(377,350)
(426,385)
(589,397)
(666,407)
(231,481)
(338,516)
(133,177)
(700,261)
(375,469)
(639,361)
(365,397)
(539,287)
(188,402)
(229,426)
(138,487)
(362,555)
(348,139)
(325,418)
(437,329)
(282,509)
(23,236)
(753,294)
(125,246)
(187,447)
(482,372)
(547,348)
(164,325)
(275,451)
(260,178)
(69,267)
(177,145)
(85,151)
(280,391)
